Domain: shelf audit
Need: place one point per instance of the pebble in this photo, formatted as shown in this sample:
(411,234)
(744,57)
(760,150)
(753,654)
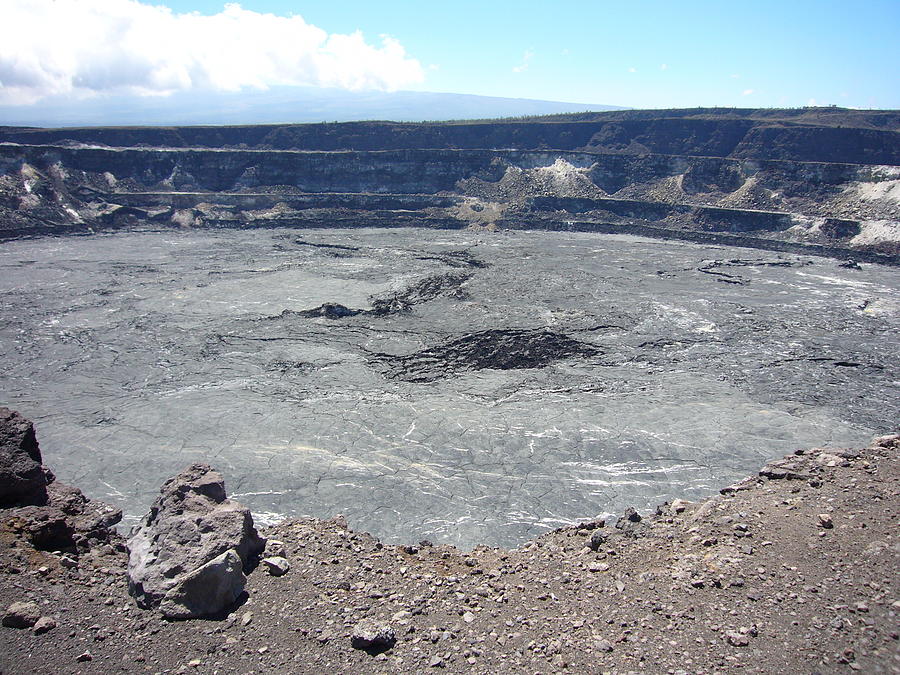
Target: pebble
(371,634)
(598,538)
(825,521)
(276,566)
(44,624)
(602,645)
(737,639)
(679,505)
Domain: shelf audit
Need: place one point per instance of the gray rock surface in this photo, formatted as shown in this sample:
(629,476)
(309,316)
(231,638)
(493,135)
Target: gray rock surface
(187,556)
(206,590)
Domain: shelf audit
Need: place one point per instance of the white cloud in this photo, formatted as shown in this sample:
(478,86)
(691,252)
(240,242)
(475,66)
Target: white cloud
(526,61)
(664,66)
(747,92)
(85,47)
(632,70)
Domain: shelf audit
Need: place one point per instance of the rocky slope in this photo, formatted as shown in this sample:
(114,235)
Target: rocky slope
(822,180)
(793,570)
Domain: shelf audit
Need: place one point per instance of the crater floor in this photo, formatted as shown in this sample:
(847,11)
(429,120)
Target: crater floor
(465,387)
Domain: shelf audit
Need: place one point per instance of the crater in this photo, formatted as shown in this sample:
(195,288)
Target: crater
(456,386)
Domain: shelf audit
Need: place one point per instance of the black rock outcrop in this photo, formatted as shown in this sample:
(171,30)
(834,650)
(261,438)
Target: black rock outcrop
(48,514)
(490,349)
(23,479)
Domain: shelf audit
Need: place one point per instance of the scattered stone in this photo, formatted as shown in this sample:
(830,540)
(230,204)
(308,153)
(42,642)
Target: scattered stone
(679,505)
(888,441)
(67,562)
(84,657)
(602,645)
(597,540)
(275,549)
(825,521)
(21,615)
(631,515)
(782,469)
(276,566)
(828,459)
(44,624)
(46,513)
(736,639)
(369,634)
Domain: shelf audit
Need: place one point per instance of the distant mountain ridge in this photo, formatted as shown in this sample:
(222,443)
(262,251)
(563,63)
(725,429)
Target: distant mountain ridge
(818,180)
(282,105)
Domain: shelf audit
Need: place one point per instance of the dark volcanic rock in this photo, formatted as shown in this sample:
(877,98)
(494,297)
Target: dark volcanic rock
(22,478)
(420,292)
(89,518)
(45,527)
(329,310)
(187,556)
(48,514)
(490,349)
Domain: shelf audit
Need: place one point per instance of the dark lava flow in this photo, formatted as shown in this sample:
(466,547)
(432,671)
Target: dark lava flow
(457,386)
(487,350)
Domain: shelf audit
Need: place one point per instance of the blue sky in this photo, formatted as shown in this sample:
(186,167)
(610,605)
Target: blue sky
(638,53)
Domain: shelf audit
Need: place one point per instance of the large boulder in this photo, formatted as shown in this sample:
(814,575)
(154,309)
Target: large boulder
(23,479)
(207,590)
(189,554)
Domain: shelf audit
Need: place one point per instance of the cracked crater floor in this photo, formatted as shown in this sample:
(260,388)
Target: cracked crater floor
(464,387)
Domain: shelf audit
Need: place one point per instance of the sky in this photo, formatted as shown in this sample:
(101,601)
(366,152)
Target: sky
(634,53)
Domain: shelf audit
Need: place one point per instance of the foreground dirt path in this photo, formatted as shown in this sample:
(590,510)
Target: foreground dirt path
(792,571)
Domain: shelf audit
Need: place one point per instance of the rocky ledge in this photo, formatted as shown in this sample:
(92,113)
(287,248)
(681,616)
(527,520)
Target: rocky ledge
(792,570)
